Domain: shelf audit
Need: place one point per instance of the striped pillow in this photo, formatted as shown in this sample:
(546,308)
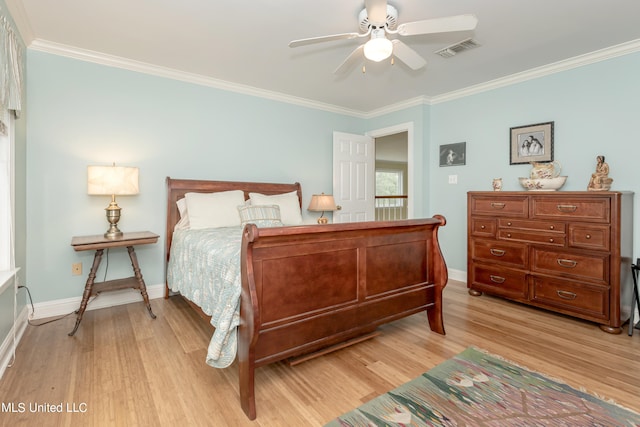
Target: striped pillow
(260,215)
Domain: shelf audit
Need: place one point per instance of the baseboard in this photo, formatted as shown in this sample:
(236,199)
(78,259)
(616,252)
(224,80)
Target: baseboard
(6,350)
(458,275)
(106,299)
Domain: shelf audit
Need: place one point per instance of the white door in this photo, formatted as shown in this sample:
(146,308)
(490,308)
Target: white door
(353,177)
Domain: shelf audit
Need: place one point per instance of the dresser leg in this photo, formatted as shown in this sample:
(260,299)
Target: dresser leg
(87,289)
(474,293)
(611,329)
(138,274)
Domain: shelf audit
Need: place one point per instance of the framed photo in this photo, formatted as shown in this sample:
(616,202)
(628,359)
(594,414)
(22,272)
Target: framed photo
(531,143)
(453,154)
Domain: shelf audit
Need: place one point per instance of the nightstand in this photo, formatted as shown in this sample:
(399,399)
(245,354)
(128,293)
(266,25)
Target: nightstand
(99,243)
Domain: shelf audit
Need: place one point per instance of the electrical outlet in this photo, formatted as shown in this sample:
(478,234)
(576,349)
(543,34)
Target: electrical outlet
(453,179)
(76,269)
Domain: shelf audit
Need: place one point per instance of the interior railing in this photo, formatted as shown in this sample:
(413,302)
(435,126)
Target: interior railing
(391,208)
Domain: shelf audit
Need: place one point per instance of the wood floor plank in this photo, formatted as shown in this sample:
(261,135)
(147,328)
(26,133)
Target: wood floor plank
(127,369)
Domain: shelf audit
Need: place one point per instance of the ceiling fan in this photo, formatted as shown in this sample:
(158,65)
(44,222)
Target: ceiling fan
(378,19)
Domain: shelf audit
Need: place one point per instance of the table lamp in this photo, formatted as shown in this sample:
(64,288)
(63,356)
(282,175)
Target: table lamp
(321,203)
(112,181)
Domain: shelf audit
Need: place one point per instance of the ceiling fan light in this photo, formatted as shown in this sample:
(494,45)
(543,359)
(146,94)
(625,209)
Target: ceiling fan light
(378,49)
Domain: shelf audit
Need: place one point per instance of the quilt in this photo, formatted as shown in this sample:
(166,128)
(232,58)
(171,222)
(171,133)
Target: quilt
(204,266)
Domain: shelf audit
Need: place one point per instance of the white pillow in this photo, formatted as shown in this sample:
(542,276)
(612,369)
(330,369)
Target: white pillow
(212,210)
(288,202)
(183,223)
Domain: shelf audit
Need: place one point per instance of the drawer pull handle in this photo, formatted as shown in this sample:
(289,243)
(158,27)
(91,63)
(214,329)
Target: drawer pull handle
(567,263)
(567,208)
(497,252)
(497,279)
(496,205)
(552,227)
(588,236)
(482,227)
(567,295)
(550,240)
(509,235)
(509,224)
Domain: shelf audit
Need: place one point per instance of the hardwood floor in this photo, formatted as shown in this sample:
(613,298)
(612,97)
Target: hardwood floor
(122,368)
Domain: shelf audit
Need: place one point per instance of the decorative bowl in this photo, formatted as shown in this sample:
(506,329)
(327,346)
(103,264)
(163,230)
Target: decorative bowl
(543,184)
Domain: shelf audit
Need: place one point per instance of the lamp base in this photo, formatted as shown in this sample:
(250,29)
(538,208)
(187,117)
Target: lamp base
(323,220)
(113,216)
(113,233)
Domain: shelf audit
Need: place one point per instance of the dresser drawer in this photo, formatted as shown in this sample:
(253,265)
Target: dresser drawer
(587,301)
(575,209)
(499,281)
(590,236)
(557,239)
(500,206)
(509,254)
(553,226)
(594,267)
(483,227)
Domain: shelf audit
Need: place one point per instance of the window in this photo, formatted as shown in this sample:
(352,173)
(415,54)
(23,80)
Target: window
(389,182)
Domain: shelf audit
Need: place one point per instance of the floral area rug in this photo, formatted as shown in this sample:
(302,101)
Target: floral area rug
(475,389)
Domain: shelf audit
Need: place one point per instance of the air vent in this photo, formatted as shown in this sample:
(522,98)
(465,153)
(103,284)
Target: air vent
(456,48)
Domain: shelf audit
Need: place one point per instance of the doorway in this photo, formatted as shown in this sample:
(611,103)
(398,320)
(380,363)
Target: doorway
(394,146)
(391,175)
(354,176)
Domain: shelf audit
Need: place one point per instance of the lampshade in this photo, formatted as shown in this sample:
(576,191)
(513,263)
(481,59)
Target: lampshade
(378,48)
(322,202)
(112,180)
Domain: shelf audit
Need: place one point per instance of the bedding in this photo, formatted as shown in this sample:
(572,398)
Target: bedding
(205,268)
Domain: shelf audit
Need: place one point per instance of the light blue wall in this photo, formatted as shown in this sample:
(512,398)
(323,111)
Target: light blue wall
(595,108)
(82,114)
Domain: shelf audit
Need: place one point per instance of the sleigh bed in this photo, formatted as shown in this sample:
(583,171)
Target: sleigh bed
(305,288)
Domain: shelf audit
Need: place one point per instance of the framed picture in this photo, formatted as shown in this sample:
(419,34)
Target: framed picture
(531,143)
(453,154)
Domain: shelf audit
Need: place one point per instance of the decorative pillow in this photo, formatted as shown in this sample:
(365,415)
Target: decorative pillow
(183,223)
(212,210)
(260,215)
(288,203)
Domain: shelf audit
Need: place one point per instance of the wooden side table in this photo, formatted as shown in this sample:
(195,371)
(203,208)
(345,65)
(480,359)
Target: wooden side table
(99,243)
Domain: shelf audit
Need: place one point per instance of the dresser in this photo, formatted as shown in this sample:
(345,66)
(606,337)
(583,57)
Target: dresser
(568,251)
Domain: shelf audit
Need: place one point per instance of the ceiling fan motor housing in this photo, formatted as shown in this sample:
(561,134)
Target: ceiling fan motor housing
(391,23)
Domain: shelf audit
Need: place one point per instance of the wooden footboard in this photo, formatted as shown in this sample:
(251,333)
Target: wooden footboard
(304,288)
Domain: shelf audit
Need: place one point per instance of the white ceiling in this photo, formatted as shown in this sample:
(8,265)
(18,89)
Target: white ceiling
(244,43)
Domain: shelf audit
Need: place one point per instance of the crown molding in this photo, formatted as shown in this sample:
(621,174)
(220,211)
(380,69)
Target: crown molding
(403,105)
(143,67)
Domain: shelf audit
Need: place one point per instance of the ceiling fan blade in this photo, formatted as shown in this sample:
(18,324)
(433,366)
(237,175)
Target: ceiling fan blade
(407,55)
(357,52)
(313,40)
(376,12)
(438,25)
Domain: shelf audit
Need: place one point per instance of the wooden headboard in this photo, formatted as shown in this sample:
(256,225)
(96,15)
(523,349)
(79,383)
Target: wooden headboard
(177,188)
